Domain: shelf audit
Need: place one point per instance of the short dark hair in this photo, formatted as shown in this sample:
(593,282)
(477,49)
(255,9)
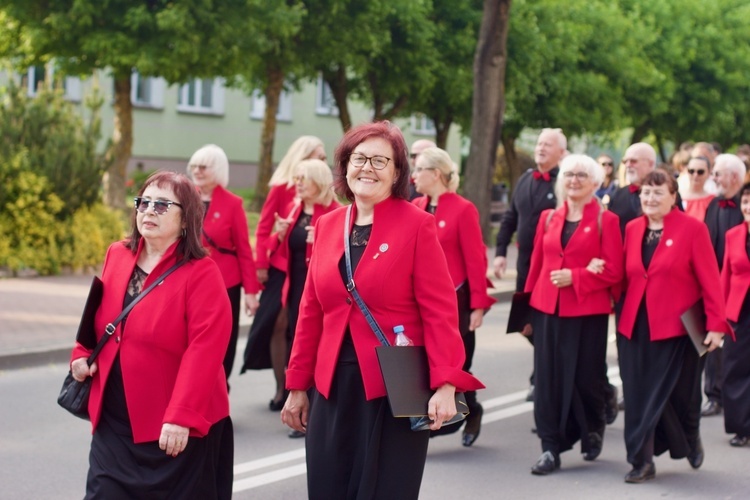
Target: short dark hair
(745,189)
(383,130)
(190,246)
(659,177)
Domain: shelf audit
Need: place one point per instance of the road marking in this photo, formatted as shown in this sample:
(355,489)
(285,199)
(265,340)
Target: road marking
(269,477)
(262,463)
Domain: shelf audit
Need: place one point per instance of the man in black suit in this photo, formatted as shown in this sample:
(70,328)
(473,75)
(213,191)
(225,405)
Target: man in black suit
(722,214)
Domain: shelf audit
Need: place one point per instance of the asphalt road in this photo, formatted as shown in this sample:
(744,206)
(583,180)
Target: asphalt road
(44,451)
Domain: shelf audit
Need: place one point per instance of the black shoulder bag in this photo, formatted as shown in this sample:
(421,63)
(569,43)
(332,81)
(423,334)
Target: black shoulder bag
(74,395)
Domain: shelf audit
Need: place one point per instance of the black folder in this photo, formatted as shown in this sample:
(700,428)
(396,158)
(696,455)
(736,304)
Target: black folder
(86,335)
(520,312)
(694,320)
(406,375)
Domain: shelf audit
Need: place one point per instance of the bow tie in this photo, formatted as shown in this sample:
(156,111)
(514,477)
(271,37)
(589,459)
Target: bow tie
(633,188)
(727,203)
(539,175)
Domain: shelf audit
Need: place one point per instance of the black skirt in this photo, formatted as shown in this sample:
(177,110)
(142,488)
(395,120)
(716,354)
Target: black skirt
(356,449)
(570,371)
(121,469)
(736,392)
(258,349)
(661,384)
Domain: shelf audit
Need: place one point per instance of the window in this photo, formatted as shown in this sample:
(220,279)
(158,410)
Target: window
(34,77)
(258,106)
(421,125)
(202,95)
(325,104)
(37,75)
(147,91)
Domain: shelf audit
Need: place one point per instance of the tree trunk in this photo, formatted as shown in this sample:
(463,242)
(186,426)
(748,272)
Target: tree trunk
(337,82)
(121,148)
(660,149)
(511,158)
(488,107)
(639,132)
(272,93)
(441,132)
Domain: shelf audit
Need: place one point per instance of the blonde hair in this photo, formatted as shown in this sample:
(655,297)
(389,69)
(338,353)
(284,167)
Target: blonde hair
(301,149)
(441,161)
(213,157)
(320,175)
(596,173)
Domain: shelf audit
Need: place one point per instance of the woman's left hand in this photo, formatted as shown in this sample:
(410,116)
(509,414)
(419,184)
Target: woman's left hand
(251,304)
(475,320)
(173,439)
(561,278)
(714,340)
(442,406)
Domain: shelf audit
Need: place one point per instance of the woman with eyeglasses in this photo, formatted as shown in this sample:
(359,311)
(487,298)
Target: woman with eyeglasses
(225,235)
(457,220)
(294,235)
(669,267)
(401,275)
(610,183)
(266,343)
(695,198)
(159,405)
(577,259)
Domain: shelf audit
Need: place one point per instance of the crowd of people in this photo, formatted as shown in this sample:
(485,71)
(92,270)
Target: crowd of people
(383,242)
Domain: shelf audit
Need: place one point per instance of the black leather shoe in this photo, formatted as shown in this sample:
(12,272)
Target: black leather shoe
(711,408)
(473,425)
(595,446)
(275,405)
(695,455)
(530,394)
(640,474)
(738,441)
(611,408)
(294,434)
(547,463)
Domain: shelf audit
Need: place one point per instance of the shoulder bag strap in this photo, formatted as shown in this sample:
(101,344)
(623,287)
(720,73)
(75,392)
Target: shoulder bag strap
(110,328)
(217,247)
(351,287)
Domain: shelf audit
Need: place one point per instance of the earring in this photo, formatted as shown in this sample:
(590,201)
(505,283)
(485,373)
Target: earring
(184,232)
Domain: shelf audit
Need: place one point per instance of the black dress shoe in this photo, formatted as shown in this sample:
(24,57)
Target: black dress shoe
(595,446)
(738,441)
(611,408)
(275,405)
(530,394)
(473,425)
(295,434)
(711,408)
(695,455)
(642,473)
(547,463)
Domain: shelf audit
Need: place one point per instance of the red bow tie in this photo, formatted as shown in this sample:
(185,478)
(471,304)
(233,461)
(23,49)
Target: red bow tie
(633,188)
(539,175)
(727,203)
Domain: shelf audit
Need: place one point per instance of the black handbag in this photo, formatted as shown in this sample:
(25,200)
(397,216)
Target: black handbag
(74,395)
(405,369)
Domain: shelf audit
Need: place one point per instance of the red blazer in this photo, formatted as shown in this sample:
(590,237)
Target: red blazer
(226,224)
(460,235)
(681,272)
(590,293)
(402,277)
(172,348)
(274,245)
(277,201)
(735,273)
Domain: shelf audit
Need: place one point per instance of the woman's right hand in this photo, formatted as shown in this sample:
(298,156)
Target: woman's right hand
(80,369)
(262,275)
(596,266)
(294,413)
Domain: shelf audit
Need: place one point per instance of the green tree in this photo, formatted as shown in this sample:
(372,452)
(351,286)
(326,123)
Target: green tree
(175,40)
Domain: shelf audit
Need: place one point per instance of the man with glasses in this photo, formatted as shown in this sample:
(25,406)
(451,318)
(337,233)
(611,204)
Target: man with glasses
(639,161)
(416,149)
(722,214)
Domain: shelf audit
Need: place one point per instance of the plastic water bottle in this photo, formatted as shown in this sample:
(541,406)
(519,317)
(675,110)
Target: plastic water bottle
(401,338)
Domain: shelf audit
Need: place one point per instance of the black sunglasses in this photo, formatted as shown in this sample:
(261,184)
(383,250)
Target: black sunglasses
(160,206)
(607,164)
(698,171)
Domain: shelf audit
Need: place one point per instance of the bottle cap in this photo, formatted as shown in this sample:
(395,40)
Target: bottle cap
(398,329)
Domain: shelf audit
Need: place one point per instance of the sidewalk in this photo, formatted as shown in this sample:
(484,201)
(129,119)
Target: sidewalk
(39,316)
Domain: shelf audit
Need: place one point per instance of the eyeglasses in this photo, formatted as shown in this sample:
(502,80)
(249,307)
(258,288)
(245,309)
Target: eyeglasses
(378,162)
(607,164)
(625,161)
(202,168)
(419,169)
(693,171)
(413,156)
(581,176)
(160,206)
(298,178)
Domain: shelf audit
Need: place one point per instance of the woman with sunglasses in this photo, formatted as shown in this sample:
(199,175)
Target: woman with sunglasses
(695,198)
(294,236)
(159,406)
(225,235)
(610,182)
(266,343)
(457,220)
(577,259)
(402,276)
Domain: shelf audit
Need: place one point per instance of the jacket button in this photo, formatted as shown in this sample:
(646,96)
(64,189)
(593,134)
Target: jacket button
(561,254)
(645,276)
(349,301)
